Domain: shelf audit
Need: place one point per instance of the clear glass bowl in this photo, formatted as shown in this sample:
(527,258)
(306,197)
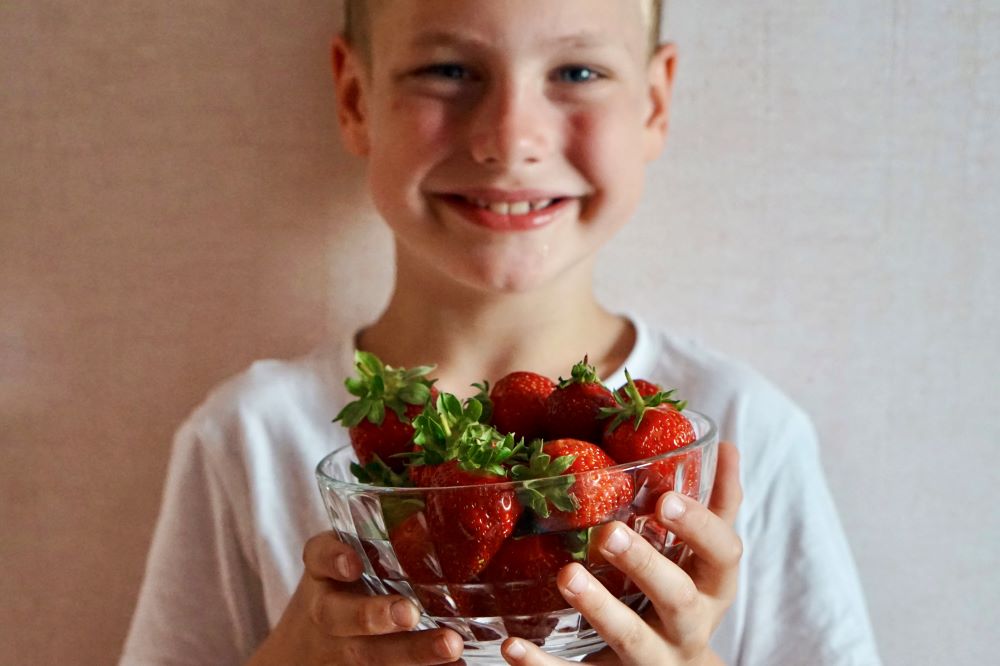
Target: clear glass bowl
(483,612)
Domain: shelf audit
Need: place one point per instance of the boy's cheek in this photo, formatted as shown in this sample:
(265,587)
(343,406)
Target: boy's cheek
(425,124)
(654,143)
(604,141)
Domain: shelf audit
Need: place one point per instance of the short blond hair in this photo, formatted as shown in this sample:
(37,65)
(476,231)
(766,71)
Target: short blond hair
(358,14)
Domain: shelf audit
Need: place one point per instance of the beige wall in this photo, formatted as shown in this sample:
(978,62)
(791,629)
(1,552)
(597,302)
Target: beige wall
(174,203)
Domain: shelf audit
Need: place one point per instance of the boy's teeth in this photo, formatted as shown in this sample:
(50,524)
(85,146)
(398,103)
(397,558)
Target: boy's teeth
(512,207)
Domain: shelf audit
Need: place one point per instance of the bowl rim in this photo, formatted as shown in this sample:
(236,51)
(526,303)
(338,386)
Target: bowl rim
(708,439)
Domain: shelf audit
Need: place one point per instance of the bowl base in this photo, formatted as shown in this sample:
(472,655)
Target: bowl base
(564,633)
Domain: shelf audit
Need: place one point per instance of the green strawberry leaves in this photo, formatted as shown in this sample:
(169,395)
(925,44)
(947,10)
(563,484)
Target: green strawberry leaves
(538,490)
(582,373)
(395,510)
(377,473)
(634,406)
(378,386)
(483,396)
(578,543)
(540,464)
(453,430)
(539,494)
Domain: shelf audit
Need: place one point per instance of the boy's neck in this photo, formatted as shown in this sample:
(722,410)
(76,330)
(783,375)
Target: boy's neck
(471,335)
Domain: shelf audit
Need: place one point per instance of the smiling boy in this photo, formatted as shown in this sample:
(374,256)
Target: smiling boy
(505,143)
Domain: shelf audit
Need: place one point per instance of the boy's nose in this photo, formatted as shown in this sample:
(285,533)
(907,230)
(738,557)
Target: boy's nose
(510,128)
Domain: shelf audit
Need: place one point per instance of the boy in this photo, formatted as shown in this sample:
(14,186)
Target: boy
(505,143)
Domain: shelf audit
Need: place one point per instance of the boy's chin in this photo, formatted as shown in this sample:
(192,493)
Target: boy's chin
(497,269)
(513,279)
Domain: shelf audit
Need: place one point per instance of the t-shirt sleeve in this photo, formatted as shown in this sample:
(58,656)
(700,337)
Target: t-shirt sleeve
(803,598)
(200,601)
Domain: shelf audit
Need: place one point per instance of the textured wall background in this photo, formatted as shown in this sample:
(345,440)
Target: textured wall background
(174,203)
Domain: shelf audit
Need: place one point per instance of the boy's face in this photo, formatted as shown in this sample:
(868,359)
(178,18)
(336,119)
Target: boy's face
(506,139)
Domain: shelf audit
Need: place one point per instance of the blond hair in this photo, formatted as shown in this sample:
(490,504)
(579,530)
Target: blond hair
(358,14)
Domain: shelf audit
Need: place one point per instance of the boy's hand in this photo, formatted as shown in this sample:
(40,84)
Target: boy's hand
(331,620)
(686,604)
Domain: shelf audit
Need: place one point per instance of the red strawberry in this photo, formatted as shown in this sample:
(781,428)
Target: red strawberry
(420,475)
(467,524)
(519,404)
(414,550)
(581,496)
(663,477)
(538,558)
(650,426)
(524,575)
(644,387)
(379,421)
(573,409)
(411,543)
(393,435)
(660,429)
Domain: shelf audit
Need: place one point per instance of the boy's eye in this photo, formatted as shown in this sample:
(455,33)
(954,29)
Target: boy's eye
(445,71)
(578,74)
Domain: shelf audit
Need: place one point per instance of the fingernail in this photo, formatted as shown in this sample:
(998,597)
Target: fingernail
(443,647)
(343,565)
(400,611)
(672,508)
(516,650)
(617,542)
(578,583)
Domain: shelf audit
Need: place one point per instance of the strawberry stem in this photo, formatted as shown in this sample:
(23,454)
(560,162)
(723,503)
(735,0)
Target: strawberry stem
(378,386)
(582,373)
(452,430)
(634,406)
(377,473)
(538,489)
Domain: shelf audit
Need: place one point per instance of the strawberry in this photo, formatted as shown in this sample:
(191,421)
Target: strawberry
(573,409)
(644,387)
(643,427)
(524,576)
(536,558)
(581,496)
(519,404)
(411,543)
(379,422)
(414,550)
(468,524)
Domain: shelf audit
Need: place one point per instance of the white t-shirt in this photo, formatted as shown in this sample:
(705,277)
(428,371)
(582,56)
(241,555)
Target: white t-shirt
(241,500)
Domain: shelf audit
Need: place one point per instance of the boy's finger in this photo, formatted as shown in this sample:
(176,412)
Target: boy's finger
(625,632)
(671,591)
(337,612)
(434,646)
(716,547)
(525,653)
(327,557)
(727,493)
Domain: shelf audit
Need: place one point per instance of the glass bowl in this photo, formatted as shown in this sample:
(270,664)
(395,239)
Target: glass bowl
(486,609)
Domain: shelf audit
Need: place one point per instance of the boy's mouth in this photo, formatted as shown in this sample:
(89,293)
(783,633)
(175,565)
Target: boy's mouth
(512,207)
(521,211)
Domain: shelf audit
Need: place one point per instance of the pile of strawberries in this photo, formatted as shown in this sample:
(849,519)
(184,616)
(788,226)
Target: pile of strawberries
(555,438)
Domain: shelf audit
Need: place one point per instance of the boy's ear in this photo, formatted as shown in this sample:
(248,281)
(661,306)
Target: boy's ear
(349,81)
(661,84)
